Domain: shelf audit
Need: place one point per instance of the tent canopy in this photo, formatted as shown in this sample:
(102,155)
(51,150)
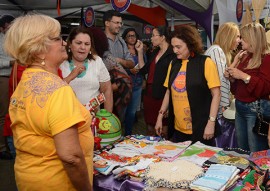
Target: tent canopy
(49,7)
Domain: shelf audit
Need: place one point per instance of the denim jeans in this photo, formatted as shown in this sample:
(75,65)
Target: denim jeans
(11,146)
(245,118)
(131,109)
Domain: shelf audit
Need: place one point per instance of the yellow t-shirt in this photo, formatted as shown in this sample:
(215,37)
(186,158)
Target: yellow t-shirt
(181,108)
(41,107)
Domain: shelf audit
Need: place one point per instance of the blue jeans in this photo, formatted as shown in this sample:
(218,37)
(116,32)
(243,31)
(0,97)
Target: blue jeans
(11,146)
(131,109)
(245,117)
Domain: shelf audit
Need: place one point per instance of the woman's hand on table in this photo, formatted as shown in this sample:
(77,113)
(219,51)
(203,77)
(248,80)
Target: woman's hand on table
(209,130)
(158,126)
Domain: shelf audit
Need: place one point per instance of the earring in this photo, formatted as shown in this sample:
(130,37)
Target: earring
(43,62)
(90,52)
(68,49)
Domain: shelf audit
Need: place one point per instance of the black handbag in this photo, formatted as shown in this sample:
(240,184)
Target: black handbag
(262,123)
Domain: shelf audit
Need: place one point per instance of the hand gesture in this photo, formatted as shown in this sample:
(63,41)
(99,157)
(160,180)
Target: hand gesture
(237,58)
(134,70)
(209,130)
(235,73)
(139,46)
(158,126)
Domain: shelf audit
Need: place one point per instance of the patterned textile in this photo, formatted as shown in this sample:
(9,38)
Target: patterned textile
(261,159)
(198,153)
(177,174)
(215,178)
(230,156)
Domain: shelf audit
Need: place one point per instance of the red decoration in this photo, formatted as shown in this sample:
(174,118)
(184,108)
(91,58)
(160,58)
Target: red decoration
(156,16)
(59,7)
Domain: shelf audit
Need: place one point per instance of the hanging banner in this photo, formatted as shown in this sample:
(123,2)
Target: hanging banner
(89,17)
(120,5)
(239,10)
(148,29)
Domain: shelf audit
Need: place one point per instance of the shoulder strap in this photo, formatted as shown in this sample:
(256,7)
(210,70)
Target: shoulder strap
(14,76)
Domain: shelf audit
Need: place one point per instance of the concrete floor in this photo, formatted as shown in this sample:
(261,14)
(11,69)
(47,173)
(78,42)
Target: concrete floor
(7,179)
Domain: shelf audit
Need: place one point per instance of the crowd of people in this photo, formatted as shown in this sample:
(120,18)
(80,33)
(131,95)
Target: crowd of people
(47,83)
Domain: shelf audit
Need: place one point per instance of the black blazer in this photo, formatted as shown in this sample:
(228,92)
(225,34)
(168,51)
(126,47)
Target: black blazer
(160,71)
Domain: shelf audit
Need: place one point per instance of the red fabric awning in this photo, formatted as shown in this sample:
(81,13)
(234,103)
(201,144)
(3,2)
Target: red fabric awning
(156,16)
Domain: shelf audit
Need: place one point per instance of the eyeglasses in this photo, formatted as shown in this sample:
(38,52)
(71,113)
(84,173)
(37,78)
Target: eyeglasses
(117,23)
(61,38)
(131,36)
(153,35)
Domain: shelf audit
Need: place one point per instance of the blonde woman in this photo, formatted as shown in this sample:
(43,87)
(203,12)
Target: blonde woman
(249,75)
(226,41)
(54,144)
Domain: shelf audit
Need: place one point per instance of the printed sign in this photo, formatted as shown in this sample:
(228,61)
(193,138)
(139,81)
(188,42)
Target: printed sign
(239,10)
(89,17)
(120,5)
(147,29)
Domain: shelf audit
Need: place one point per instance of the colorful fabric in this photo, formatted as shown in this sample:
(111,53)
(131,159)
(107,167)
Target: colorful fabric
(215,178)
(118,75)
(235,157)
(42,106)
(198,153)
(261,159)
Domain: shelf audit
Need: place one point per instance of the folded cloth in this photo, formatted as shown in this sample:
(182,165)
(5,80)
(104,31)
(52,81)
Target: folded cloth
(230,156)
(261,159)
(215,178)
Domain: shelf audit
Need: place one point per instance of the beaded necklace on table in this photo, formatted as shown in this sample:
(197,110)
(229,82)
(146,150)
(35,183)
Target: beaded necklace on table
(71,67)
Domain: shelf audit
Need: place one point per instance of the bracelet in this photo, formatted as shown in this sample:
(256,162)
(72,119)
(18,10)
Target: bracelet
(161,112)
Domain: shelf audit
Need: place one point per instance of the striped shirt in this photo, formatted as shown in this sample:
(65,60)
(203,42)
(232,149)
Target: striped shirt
(218,56)
(5,68)
(119,49)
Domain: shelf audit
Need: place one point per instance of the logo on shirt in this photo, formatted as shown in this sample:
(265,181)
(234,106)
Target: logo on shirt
(179,83)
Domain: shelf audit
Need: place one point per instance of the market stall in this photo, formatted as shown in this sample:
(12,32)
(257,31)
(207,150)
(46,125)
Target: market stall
(146,163)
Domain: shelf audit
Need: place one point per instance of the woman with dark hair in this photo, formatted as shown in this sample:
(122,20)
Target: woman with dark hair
(135,47)
(156,68)
(84,70)
(193,91)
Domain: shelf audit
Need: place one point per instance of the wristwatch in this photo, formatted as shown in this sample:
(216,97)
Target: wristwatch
(247,79)
(213,119)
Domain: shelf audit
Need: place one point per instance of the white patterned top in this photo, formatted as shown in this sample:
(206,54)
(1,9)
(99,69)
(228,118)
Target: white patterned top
(88,86)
